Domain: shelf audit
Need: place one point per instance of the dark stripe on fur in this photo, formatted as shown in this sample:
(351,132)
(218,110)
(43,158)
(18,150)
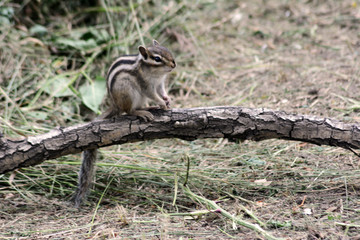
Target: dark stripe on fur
(120,62)
(136,74)
(113,80)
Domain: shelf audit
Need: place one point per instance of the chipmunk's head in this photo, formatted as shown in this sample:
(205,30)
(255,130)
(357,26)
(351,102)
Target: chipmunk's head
(158,56)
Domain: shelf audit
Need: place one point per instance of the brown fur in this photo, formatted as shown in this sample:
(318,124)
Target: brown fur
(131,81)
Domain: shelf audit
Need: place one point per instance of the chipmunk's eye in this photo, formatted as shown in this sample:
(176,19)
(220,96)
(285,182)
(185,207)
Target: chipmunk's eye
(157,59)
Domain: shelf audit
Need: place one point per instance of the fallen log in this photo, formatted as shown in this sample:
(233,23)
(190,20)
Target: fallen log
(234,123)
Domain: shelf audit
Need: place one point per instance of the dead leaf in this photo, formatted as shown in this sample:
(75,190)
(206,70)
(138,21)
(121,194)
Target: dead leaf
(262,182)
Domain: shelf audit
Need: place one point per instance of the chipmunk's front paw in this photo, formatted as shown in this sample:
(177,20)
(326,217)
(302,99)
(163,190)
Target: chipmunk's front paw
(167,101)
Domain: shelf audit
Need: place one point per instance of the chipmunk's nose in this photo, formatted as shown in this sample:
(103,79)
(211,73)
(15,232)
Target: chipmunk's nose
(173,64)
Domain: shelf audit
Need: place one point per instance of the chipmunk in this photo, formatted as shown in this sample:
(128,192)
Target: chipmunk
(131,81)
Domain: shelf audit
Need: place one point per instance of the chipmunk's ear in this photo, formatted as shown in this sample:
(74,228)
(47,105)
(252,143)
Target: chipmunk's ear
(155,43)
(144,52)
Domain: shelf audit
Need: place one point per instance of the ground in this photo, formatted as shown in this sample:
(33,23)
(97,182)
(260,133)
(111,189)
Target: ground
(300,56)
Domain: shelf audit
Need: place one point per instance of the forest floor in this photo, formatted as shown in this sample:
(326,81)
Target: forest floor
(297,56)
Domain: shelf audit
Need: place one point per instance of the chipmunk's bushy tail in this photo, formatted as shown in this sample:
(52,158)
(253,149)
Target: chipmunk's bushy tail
(87,167)
(85,175)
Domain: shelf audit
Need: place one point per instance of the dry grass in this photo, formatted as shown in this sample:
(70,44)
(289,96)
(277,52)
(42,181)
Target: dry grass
(297,56)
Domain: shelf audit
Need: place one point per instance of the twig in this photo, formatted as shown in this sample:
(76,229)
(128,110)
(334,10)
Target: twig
(176,183)
(347,225)
(187,169)
(218,209)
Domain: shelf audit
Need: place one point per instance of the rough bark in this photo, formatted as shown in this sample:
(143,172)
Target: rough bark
(189,124)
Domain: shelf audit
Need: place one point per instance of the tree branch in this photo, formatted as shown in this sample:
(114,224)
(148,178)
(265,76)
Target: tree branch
(188,124)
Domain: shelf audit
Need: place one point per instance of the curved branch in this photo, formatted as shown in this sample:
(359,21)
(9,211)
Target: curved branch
(188,124)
